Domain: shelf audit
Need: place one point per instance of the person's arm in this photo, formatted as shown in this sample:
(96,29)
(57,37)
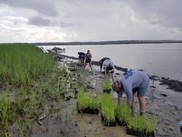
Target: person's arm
(113,77)
(120,98)
(129,94)
(129,103)
(100,63)
(105,70)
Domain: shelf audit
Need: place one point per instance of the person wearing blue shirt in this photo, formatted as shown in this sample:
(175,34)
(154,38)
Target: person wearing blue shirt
(131,82)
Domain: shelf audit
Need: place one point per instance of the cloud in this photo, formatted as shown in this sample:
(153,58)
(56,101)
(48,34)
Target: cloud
(89,20)
(39,21)
(45,7)
(162,12)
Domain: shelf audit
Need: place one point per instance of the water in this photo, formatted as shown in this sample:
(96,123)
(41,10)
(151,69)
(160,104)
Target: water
(159,59)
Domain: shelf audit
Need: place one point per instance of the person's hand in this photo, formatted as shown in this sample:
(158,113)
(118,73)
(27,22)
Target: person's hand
(132,110)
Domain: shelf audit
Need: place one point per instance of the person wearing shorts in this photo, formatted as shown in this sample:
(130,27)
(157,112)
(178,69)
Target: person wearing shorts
(108,67)
(132,82)
(88,57)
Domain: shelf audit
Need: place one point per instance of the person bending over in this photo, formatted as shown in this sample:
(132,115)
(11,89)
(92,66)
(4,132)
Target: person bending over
(101,62)
(130,83)
(108,67)
(81,58)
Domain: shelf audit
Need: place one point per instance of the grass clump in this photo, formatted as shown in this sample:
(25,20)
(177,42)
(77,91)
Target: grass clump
(122,113)
(108,108)
(86,101)
(142,125)
(22,63)
(106,85)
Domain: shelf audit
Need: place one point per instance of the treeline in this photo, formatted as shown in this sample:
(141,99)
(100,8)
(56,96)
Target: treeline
(110,42)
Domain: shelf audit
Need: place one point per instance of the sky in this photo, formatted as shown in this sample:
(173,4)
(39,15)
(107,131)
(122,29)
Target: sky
(89,20)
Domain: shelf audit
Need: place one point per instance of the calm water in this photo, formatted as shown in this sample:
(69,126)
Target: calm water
(160,59)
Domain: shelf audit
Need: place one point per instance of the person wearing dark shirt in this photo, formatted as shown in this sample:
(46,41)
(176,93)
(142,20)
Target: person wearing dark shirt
(88,59)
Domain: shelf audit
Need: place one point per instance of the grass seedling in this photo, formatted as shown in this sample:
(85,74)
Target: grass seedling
(122,113)
(83,99)
(106,85)
(108,107)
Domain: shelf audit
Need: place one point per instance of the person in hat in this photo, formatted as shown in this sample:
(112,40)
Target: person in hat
(130,83)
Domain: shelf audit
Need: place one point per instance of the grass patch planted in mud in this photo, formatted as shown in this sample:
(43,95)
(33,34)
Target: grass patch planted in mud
(87,103)
(36,85)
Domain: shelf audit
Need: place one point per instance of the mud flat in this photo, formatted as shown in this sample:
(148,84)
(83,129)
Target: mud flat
(163,100)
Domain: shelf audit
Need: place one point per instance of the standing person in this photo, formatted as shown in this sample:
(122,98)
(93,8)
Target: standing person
(108,67)
(88,59)
(130,83)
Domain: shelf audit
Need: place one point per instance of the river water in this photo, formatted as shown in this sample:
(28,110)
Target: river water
(159,59)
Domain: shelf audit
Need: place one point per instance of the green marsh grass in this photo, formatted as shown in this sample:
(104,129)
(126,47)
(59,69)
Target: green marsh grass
(141,124)
(108,106)
(106,85)
(122,113)
(86,101)
(5,106)
(83,99)
(33,76)
(22,63)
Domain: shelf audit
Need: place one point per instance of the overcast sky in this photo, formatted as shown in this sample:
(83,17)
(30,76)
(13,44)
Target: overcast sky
(89,20)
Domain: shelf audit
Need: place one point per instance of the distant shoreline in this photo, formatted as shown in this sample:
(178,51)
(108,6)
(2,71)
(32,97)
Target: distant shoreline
(110,42)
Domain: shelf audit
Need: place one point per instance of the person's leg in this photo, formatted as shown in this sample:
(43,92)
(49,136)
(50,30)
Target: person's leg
(112,75)
(132,103)
(133,100)
(107,73)
(142,104)
(90,64)
(85,63)
(141,95)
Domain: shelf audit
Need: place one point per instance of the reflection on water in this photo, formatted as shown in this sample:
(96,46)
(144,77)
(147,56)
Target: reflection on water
(159,59)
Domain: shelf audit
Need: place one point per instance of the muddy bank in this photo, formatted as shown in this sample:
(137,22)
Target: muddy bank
(162,102)
(171,84)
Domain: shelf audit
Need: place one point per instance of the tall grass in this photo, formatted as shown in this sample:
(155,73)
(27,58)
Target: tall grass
(21,63)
